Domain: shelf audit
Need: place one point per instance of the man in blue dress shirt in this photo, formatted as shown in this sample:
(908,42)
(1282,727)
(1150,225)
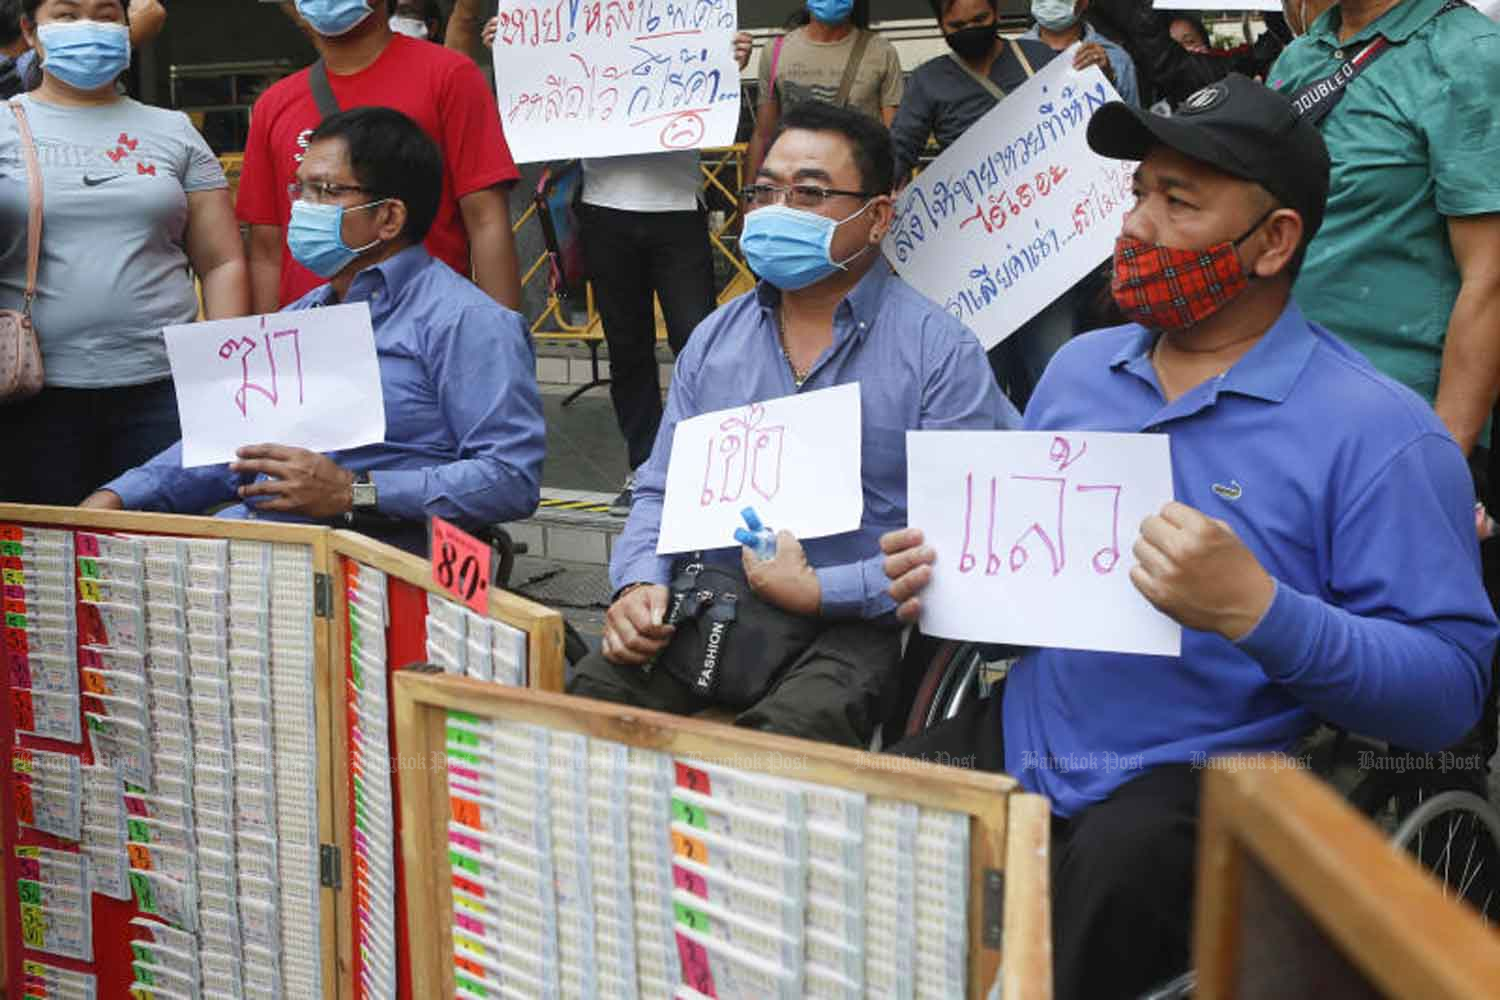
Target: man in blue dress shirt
(464,430)
(1321,555)
(827,312)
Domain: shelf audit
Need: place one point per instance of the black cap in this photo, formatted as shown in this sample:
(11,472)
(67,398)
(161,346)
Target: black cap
(1236,125)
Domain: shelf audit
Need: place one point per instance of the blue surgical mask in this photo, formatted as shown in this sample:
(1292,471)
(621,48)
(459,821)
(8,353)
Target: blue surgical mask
(316,237)
(831,11)
(1054,15)
(790,248)
(86,55)
(331,18)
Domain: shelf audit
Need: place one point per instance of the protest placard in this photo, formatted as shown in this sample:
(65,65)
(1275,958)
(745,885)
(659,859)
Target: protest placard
(796,460)
(1034,531)
(308,378)
(1015,212)
(606,79)
(1233,6)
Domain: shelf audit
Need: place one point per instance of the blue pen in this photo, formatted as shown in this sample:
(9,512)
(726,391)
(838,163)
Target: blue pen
(755,536)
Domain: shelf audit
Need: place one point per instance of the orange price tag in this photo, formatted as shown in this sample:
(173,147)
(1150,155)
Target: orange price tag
(466,812)
(689,847)
(461,565)
(140,856)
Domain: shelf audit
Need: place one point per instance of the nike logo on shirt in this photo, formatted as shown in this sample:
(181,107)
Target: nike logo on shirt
(96,181)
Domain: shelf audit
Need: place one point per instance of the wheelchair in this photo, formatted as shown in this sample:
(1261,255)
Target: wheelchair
(503,565)
(1426,806)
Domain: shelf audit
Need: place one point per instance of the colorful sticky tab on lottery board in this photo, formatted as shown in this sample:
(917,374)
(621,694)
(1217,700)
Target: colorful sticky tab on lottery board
(50,982)
(48,791)
(53,889)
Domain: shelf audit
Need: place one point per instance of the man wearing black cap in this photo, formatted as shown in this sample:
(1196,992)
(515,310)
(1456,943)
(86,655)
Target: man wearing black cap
(1320,557)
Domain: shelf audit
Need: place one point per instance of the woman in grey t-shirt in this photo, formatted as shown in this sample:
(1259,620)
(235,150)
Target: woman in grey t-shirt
(135,204)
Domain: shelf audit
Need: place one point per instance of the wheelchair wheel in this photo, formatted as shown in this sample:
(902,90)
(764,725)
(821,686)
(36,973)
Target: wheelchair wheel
(1456,836)
(947,684)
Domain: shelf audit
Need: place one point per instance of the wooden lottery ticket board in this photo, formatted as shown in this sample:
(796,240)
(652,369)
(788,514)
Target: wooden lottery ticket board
(70,689)
(704,859)
(1300,896)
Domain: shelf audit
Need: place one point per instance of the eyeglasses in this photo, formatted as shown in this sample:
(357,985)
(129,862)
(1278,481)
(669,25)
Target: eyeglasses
(797,195)
(321,190)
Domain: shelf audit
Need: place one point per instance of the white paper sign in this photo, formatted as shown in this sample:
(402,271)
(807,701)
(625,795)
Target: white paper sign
(1230,5)
(606,79)
(796,460)
(1018,210)
(1034,532)
(309,379)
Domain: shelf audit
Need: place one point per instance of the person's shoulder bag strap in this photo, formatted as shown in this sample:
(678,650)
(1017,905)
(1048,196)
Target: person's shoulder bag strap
(1316,101)
(846,86)
(1015,47)
(33,204)
(322,89)
(990,86)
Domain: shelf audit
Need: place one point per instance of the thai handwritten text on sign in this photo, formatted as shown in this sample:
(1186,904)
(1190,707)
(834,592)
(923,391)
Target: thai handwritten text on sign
(796,460)
(1034,532)
(308,378)
(588,78)
(1018,210)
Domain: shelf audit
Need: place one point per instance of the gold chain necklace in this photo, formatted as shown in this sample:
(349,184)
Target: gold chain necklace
(798,375)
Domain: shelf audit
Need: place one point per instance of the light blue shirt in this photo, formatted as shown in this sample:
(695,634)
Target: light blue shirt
(1349,492)
(1119,61)
(463,418)
(917,368)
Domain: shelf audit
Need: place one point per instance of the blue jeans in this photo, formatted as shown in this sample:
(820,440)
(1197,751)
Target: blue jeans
(62,444)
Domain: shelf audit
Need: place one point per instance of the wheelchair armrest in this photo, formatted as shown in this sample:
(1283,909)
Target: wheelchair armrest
(506,549)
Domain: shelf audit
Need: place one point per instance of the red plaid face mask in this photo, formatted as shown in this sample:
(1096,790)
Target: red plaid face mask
(1167,289)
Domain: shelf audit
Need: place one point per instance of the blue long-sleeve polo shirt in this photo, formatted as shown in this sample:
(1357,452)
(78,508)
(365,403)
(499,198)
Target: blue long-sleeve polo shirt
(1350,493)
(465,435)
(917,368)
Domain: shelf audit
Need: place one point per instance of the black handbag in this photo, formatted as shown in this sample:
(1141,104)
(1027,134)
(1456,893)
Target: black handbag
(730,646)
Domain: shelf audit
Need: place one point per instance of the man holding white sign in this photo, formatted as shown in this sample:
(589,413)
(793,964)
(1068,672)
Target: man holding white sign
(1320,556)
(463,437)
(804,642)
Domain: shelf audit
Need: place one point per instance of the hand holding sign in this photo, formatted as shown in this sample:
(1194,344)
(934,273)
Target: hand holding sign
(300,481)
(308,379)
(1031,535)
(1194,569)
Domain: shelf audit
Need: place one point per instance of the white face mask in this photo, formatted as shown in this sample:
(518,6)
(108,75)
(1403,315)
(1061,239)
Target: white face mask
(409,26)
(1054,15)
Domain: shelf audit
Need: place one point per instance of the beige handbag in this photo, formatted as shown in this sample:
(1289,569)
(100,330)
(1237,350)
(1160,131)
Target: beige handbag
(21,373)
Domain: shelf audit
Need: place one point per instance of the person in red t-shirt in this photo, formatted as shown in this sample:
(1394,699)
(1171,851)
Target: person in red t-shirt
(442,91)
